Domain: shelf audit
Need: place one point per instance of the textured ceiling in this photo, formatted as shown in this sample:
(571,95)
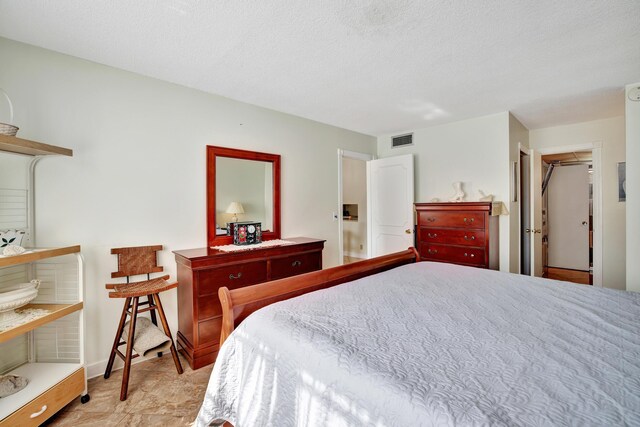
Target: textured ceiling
(374,66)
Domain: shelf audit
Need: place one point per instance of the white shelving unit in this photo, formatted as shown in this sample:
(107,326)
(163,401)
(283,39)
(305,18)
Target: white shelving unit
(48,350)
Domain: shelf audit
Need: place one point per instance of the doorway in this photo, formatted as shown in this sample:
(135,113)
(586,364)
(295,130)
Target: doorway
(567,216)
(352,205)
(585,223)
(387,213)
(354,210)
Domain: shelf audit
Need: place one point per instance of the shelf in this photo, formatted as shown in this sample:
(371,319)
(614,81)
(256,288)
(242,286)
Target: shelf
(37,255)
(56,312)
(42,376)
(13,144)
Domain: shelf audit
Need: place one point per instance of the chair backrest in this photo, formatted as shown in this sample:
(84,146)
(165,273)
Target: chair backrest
(136,260)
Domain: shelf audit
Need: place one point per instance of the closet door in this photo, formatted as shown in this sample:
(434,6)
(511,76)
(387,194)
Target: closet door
(569,217)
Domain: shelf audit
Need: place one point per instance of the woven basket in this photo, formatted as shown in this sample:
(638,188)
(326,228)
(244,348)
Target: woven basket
(5,128)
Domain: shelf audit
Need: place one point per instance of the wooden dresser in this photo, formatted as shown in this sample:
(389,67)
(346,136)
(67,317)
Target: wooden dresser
(460,233)
(201,272)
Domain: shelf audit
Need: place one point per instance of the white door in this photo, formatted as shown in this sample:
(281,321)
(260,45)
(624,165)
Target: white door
(536,213)
(390,186)
(569,217)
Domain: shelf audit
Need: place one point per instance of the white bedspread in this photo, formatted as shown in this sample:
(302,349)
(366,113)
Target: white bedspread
(434,344)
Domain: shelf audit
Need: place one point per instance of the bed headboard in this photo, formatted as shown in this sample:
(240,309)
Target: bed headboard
(237,304)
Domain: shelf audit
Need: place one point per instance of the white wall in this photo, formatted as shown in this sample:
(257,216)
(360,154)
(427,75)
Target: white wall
(14,170)
(474,151)
(138,172)
(354,191)
(632,114)
(611,134)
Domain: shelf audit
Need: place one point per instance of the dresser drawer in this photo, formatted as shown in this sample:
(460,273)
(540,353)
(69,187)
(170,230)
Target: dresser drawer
(209,330)
(455,254)
(452,236)
(209,306)
(48,403)
(458,219)
(232,276)
(295,264)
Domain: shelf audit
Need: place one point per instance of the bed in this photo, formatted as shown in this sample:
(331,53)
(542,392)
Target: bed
(406,344)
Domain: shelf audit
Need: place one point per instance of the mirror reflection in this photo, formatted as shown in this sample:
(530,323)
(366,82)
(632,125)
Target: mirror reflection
(244,192)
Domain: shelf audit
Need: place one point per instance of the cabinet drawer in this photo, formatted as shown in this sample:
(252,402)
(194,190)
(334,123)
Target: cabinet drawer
(295,264)
(455,254)
(452,236)
(48,403)
(458,219)
(232,276)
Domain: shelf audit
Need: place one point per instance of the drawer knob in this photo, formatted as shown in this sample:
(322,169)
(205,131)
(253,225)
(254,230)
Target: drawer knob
(433,251)
(431,219)
(432,236)
(468,220)
(232,277)
(469,238)
(40,412)
(296,263)
(472,255)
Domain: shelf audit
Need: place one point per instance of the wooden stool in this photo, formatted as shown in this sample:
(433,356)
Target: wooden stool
(131,262)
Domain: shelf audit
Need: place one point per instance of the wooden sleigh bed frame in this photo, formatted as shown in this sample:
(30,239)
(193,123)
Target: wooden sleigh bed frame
(237,304)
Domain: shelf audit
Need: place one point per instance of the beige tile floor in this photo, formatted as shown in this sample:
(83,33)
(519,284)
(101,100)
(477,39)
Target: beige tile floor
(158,396)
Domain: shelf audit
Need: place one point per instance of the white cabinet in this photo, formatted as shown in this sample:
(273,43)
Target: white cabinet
(48,348)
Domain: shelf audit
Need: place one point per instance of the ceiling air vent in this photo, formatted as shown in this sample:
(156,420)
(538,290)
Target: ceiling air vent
(402,140)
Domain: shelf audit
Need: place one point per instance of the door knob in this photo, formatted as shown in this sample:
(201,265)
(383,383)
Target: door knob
(527,230)
(585,223)
(537,230)
(408,231)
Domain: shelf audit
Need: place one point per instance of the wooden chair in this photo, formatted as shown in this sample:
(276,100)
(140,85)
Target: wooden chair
(135,261)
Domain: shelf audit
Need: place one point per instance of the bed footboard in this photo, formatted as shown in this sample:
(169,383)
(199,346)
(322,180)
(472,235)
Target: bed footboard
(237,304)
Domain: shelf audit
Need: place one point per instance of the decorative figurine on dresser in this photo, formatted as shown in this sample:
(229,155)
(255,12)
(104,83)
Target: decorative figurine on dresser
(460,233)
(239,262)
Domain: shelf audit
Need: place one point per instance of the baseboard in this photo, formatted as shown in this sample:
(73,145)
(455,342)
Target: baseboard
(97,369)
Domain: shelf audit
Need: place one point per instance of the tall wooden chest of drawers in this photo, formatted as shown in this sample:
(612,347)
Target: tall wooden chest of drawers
(460,233)
(201,272)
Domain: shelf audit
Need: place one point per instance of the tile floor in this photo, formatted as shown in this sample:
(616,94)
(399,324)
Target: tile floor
(158,396)
(350,259)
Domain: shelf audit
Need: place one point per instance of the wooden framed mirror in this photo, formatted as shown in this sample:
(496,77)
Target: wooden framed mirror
(245,184)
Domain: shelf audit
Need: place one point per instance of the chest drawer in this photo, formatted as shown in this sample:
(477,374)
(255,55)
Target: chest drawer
(452,236)
(458,219)
(295,264)
(455,254)
(232,276)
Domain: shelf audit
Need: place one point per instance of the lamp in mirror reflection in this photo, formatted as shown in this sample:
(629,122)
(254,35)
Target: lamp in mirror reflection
(235,208)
